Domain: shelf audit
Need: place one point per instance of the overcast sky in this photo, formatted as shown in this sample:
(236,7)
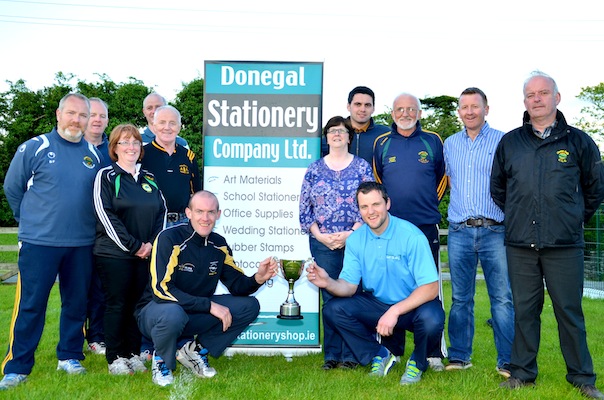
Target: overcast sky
(427,48)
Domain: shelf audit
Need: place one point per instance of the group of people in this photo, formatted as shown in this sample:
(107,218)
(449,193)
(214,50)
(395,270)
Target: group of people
(518,202)
(90,209)
(370,208)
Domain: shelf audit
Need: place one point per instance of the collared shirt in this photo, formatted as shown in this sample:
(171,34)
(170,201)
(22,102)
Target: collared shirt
(149,136)
(546,132)
(363,128)
(177,174)
(391,265)
(468,164)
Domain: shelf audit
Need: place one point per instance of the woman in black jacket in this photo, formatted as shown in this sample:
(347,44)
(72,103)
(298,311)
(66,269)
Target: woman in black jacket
(130,211)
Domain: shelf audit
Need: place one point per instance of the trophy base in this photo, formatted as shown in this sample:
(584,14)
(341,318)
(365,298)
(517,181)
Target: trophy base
(289,316)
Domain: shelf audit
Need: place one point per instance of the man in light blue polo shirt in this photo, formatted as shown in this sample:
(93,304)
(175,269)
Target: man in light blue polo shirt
(393,260)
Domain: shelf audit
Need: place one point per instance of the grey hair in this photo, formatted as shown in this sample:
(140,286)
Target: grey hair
(163,100)
(168,107)
(537,73)
(76,95)
(100,101)
(419,104)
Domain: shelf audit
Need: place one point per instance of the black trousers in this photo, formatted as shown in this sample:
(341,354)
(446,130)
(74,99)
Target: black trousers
(123,282)
(562,270)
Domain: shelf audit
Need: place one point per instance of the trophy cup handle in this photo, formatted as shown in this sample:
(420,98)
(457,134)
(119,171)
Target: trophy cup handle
(304,273)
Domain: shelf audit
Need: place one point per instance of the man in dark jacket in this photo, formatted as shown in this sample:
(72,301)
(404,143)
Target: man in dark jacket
(187,262)
(361,105)
(548,179)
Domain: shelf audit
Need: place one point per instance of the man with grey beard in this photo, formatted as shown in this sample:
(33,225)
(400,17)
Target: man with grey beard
(49,189)
(409,162)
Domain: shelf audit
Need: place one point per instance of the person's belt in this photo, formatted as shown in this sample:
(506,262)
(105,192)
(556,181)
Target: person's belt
(480,222)
(175,217)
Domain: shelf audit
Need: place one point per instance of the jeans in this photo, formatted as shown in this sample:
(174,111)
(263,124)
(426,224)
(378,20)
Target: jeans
(467,245)
(355,319)
(332,261)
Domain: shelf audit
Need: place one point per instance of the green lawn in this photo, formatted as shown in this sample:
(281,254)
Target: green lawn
(257,377)
(8,239)
(8,257)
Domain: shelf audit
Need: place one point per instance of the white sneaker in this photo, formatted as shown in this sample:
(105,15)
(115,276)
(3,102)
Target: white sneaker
(436,364)
(161,375)
(146,356)
(97,348)
(136,364)
(71,366)
(195,357)
(11,380)
(120,366)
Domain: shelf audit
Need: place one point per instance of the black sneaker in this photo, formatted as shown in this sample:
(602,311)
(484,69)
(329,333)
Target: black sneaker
(515,383)
(591,392)
(348,365)
(330,364)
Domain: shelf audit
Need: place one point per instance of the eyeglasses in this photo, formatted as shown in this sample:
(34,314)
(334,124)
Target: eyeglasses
(410,110)
(134,143)
(338,131)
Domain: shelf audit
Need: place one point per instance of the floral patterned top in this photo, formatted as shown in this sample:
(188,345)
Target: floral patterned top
(328,196)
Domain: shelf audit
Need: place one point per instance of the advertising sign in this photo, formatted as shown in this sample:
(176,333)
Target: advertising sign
(262,128)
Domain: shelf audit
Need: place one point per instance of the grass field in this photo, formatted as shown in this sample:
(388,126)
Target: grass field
(7,239)
(257,377)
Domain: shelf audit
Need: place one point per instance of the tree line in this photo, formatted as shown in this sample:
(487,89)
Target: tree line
(25,113)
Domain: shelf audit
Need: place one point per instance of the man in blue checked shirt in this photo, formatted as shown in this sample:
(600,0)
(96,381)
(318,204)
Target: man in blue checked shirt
(476,233)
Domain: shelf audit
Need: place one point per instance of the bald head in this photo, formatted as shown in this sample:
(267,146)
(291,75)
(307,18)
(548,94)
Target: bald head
(203,212)
(151,103)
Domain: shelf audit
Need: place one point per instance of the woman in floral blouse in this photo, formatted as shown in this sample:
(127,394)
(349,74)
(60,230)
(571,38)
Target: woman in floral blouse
(329,214)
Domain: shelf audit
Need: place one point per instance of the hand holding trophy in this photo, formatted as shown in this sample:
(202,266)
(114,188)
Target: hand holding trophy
(291,270)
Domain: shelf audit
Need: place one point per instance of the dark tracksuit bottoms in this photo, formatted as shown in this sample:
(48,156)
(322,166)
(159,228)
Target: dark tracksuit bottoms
(164,323)
(38,270)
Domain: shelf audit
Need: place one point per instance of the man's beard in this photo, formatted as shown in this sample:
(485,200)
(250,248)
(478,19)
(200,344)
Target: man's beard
(405,125)
(71,135)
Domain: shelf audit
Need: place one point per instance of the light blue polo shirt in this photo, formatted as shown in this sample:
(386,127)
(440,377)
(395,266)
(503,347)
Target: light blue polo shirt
(391,265)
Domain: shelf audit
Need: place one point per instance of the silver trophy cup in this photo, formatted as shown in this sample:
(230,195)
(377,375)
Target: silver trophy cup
(291,270)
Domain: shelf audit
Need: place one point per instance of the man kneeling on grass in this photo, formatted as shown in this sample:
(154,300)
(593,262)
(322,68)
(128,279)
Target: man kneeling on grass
(187,262)
(392,259)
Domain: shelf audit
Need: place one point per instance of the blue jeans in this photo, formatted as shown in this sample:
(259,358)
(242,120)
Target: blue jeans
(466,246)
(332,261)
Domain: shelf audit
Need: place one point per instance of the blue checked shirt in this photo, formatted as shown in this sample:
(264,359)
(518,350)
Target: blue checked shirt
(468,164)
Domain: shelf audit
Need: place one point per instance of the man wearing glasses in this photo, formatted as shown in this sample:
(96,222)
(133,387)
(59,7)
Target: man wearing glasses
(409,162)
